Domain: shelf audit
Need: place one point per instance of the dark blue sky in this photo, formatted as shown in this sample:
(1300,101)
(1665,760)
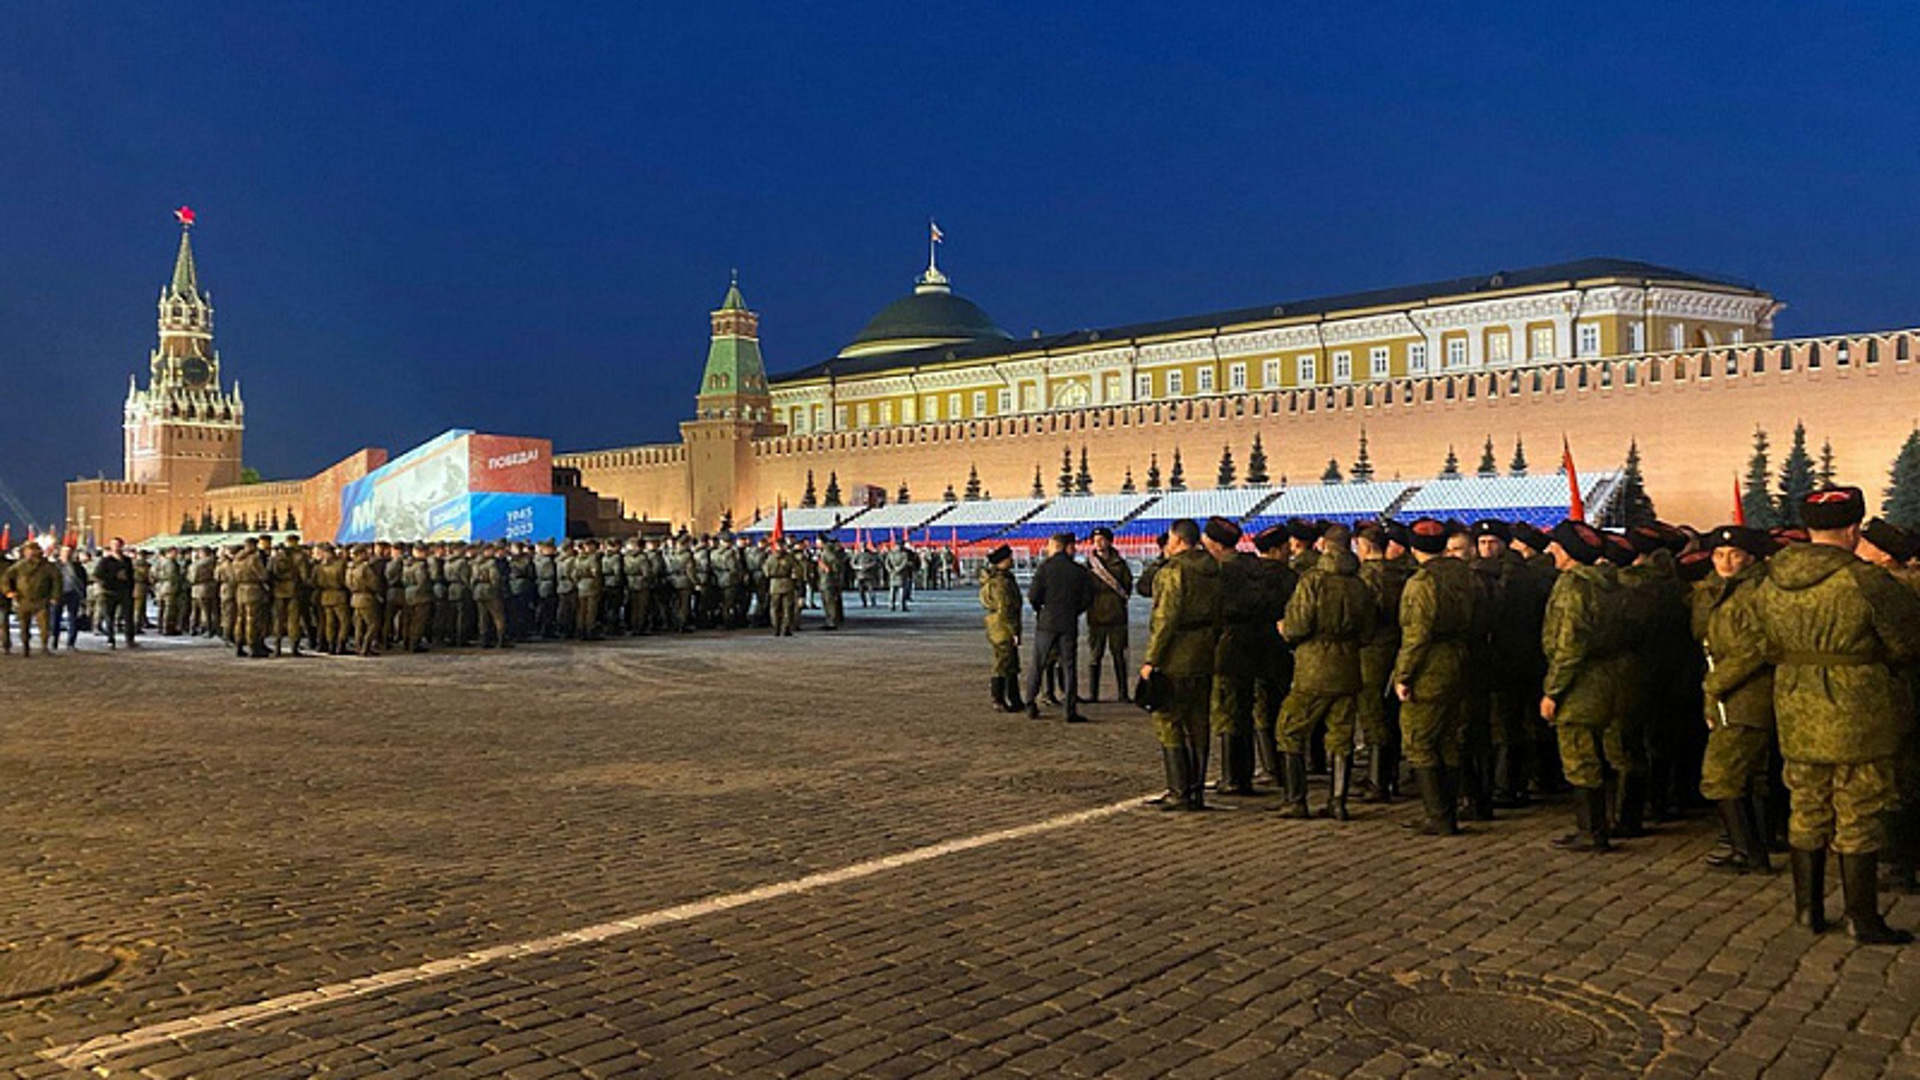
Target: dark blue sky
(516,217)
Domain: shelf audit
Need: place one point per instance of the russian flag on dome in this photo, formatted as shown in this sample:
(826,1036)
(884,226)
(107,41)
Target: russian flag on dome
(934,230)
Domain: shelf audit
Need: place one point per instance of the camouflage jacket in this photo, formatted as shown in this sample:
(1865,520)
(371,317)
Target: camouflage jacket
(1436,615)
(1330,613)
(1738,677)
(1000,596)
(1187,612)
(1581,637)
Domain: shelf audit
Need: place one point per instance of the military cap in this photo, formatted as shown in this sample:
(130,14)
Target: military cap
(1694,565)
(1618,551)
(1222,531)
(1303,530)
(1752,541)
(1526,533)
(1100,530)
(1581,541)
(1427,536)
(1373,534)
(1645,539)
(1337,536)
(1153,691)
(1898,543)
(1000,554)
(1397,533)
(1833,508)
(1270,538)
(1493,527)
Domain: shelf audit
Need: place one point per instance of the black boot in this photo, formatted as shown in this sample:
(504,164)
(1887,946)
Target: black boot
(1733,819)
(1014,704)
(1476,775)
(1392,770)
(1748,837)
(1342,767)
(1860,884)
(1293,768)
(1175,761)
(1631,812)
(1238,766)
(1509,790)
(1196,759)
(1810,889)
(1433,799)
(1266,757)
(1590,822)
(1120,677)
(1093,682)
(1450,786)
(1377,763)
(1000,693)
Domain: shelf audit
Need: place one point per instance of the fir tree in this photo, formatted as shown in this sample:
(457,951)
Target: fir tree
(902,497)
(1518,466)
(973,483)
(1126,486)
(207,524)
(1332,475)
(1362,463)
(1039,486)
(833,489)
(1066,470)
(1825,473)
(1153,472)
(1756,503)
(1796,476)
(1257,464)
(948,495)
(809,498)
(1488,467)
(1450,470)
(1902,505)
(186,524)
(1635,507)
(1083,480)
(291,524)
(726,520)
(273,523)
(1177,480)
(1226,476)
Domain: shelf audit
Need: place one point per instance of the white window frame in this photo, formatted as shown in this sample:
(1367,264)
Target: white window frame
(979,403)
(1176,383)
(1006,402)
(866,414)
(1203,380)
(1637,337)
(1237,377)
(1306,370)
(1534,341)
(1270,374)
(953,406)
(1677,336)
(886,414)
(1737,337)
(840,418)
(930,408)
(1143,386)
(1417,358)
(1379,362)
(1499,346)
(1343,366)
(1456,353)
(1587,338)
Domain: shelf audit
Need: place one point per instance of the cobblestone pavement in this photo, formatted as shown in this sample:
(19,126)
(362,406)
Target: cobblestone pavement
(233,833)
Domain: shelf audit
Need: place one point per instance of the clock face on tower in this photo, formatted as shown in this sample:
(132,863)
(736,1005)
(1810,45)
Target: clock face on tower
(195,372)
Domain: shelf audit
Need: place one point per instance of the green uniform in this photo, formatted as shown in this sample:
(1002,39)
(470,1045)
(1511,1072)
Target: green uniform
(1000,596)
(1837,628)
(366,587)
(1182,637)
(330,589)
(1377,706)
(1738,684)
(1238,661)
(488,601)
(250,584)
(1436,615)
(1275,582)
(417,578)
(833,584)
(783,590)
(34,586)
(1583,636)
(1329,615)
(287,567)
(1107,619)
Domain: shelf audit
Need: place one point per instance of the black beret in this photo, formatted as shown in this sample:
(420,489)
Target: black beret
(1397,533)
(1000,554)
(1270,538)
(1618,551)
(1892,539)
(1833,508)
(1303,530)
(1581,541)
(1694,565)
(1100,530)
(1527,534)
(1492,527)
(1752,541)
(1222,532)
(1427,536)
(1645,539)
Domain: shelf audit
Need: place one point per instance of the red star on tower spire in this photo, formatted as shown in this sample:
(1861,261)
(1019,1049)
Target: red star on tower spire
(184,216)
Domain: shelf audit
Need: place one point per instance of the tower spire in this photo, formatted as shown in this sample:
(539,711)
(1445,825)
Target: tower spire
(185,281)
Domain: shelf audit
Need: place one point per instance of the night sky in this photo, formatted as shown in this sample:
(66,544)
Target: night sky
(516,217)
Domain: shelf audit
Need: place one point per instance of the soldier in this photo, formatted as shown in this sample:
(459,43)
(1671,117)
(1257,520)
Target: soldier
(1000,596)
(1239,655)
(637,570)
(458,571)
(866,572)
(142,588)
(1429,675)
(287,573)
(1519,600)
(1060,592)
(783,584)
(1378,708)
(330,592)
(727,574)
(169,591)
(705,592)
(1838,629)
(251,582)
(7,563)
(1107,618)
(566,592)
(1144,584)
(1584,637)
(203,591)
(229,611)
(366,588)
(833,582)
(487,577)
(1330,613)
(586,587)
(74,583)
(899,567)
(1663,645)
(1182,637)
(1302,535)
(1274,580)
(1738,692)
(680,578)
(1894,549)
(32,586)
(114,574)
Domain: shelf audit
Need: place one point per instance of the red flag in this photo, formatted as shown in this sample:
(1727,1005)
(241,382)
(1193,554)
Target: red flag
(6,538)
(72,539)
(779,521)
(1739,504)
(1576,506)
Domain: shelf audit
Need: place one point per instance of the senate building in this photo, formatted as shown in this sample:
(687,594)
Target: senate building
(932,399)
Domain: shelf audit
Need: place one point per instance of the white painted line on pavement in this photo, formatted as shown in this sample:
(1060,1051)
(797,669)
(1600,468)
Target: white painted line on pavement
(99,1050)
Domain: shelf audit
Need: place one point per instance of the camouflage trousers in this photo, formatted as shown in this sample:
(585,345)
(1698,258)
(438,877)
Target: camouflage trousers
(1376,709)
(1839,806)
(1735,757)
(333,627)
(1183,719)
(1230,705)
(1103,641)
(833,604)
(42,617)
(1587,752)
(1006,657)
(1303,711)
(1432,733)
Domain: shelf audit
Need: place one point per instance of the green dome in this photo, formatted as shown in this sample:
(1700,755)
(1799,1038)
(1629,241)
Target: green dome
(930,315)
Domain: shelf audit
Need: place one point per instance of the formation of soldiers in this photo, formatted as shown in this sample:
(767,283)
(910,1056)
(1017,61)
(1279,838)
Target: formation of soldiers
(1641,673)
(266,599)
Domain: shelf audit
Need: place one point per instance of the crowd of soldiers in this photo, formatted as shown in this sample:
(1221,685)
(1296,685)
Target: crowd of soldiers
(266,599)
(1642,673)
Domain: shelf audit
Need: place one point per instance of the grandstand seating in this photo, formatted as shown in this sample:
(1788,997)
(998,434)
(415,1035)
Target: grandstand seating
(973,522)
(806,521)
(1077,514)
(1330,502)
(1537,500)
(896,519)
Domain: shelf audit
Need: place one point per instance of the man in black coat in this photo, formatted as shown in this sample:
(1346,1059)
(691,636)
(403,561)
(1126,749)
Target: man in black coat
(114,573)
(1061,592)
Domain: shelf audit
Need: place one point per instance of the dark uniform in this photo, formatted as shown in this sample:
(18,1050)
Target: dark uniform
(1107,618)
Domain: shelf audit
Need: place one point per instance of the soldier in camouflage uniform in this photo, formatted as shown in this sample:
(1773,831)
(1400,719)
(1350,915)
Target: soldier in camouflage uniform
(1000,596)
(1662,645)
(1738,691)
(203,593)
(728,581)
(1107,618)
(229,612)
(1239,657)
(32,584)
(1328,617)
(1273,580)
(418,577)
(330,593)
(1429,674)
(783,585)
(638,572)
(287,567)
(250,595)
(1377,706)
(1838,630)
(1584,635)
(1183,634)
(833,583)
(586,588)
(458,569)
(488,578)
(366,587)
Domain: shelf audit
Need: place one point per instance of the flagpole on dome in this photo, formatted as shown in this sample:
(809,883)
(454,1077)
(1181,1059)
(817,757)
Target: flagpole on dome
(934,237)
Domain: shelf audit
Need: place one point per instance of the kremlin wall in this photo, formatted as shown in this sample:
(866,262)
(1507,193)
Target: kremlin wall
(1601,352)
